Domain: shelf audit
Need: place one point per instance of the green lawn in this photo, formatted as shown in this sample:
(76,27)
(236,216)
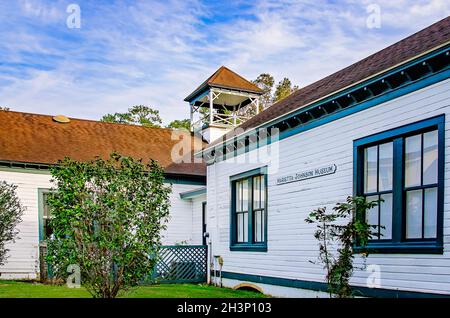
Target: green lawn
(16,289)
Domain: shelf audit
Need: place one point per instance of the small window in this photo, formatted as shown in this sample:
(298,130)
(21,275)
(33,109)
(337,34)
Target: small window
(249,211)
(403,170)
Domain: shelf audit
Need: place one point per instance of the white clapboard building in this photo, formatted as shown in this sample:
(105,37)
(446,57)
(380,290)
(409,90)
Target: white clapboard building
(30,143)
(377,129)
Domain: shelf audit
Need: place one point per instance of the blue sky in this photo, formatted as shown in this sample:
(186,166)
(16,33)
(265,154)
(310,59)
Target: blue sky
(156,52)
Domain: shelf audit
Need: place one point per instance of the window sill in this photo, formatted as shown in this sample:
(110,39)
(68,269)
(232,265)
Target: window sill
(402,248)
(249,247)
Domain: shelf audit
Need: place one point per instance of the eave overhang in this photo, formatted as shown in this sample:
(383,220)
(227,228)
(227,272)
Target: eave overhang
(414,70)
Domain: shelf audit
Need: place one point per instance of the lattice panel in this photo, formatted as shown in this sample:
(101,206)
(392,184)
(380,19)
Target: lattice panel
(181,264)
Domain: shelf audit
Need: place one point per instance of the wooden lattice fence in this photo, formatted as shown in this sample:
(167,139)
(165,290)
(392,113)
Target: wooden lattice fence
(176,264)
(181,264)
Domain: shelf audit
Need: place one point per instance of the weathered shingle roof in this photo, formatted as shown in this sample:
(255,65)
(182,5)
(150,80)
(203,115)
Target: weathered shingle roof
(226,78)
(33,138)
(406,49)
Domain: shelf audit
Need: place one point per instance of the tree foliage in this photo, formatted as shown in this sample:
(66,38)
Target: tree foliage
(11,211)
(107,218)
(283,89)
(265,82)
(136,115)
(346,227)
(180,124)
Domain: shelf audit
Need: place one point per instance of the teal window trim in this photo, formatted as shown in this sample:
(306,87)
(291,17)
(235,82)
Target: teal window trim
(399,244)
(41,192)
(250,245)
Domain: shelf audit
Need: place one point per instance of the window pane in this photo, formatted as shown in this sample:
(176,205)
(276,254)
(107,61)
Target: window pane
(256,192)
(245,230)
(430,157)
(414,214)
(257,226)
(372,214)
(385,166)
(263,192)
(44,202)
(413,160)
(263,225)
(239,196)
(240,226)
(386,217)
(430,217)
(245,195)
(370,169)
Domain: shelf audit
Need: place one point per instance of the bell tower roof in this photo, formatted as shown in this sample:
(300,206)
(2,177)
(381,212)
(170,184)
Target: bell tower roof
(227,79)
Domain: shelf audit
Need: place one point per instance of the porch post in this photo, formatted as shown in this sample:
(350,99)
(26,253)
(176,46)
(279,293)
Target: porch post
(192,116)
(211,103)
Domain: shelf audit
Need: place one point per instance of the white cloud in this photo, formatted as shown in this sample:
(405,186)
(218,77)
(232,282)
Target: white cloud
(41,10)
(156,53)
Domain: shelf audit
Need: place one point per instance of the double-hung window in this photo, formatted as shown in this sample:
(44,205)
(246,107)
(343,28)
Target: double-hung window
(249,211)
(403,169)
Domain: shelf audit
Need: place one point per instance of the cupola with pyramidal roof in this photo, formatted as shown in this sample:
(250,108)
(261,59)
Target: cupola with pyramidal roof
(222,102)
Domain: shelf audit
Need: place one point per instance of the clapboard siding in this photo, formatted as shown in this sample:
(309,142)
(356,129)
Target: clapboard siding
(291,245)
(180,225)
(23,260)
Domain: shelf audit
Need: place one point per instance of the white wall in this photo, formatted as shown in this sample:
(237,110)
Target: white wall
(180,228)
(291,245)
(23,260)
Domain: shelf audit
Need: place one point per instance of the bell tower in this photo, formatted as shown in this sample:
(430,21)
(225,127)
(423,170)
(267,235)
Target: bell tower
(222,102)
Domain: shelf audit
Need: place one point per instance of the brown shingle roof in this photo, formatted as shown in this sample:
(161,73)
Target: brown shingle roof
(416,44)
(226,78)
(32,138)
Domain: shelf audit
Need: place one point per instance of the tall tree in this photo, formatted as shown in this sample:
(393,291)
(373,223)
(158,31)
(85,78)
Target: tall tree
(136,115)
(180,124)
(265,82)
(283,89)
(11,211)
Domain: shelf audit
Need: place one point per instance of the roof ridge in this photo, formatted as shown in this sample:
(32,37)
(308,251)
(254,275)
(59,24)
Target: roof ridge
(364,59)
(323,82)
(241,77)
(215,74)
(86,120)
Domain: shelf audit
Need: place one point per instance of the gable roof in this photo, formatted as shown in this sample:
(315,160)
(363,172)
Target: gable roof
(225,78)
(431,37)
(38,139)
